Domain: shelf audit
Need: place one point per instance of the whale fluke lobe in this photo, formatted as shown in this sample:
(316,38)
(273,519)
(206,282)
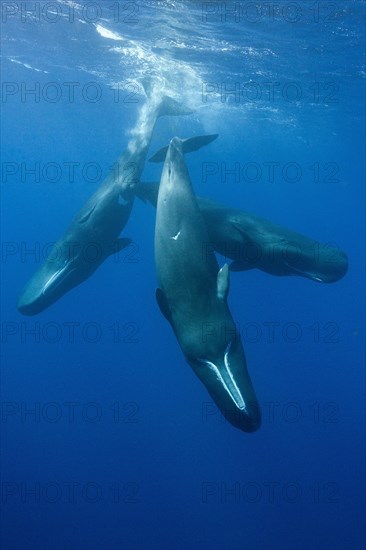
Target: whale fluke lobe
(171,107)
(188,146)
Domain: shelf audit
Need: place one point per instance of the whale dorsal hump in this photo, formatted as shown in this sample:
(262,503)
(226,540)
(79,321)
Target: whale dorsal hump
(223,282)
(163,304)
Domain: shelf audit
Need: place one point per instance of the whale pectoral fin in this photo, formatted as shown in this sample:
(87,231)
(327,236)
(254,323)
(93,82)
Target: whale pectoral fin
(163,304)
(119,245)
(223,282)
(148,192)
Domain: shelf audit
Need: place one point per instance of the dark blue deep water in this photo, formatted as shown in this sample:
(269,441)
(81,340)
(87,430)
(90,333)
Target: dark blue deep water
(109,441)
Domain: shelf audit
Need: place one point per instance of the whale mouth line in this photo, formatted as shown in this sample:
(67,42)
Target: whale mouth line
(226,378)
(305,273)
(317,279)
(59,276)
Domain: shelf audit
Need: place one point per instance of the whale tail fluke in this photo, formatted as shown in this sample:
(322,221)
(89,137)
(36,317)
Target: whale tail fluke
(189,145)
(171,107)
(168,106)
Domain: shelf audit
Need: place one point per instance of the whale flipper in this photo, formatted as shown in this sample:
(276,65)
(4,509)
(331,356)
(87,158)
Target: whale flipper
(148,192)
(188,145)
(119,244)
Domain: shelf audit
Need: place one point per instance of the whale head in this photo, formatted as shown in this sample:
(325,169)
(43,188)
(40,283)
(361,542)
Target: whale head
(227,380)
(330,266)
(51,281)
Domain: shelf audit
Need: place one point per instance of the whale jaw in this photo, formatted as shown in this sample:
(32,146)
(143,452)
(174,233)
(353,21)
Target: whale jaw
(45,288)
(228,383)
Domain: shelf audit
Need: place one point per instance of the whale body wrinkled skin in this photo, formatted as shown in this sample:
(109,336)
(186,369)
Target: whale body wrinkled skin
(192,295)
(94,232)
(254,242)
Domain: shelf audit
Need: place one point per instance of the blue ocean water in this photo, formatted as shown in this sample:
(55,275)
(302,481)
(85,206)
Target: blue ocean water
(109,441)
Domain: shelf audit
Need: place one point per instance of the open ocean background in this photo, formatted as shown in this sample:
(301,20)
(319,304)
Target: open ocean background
(124,449)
